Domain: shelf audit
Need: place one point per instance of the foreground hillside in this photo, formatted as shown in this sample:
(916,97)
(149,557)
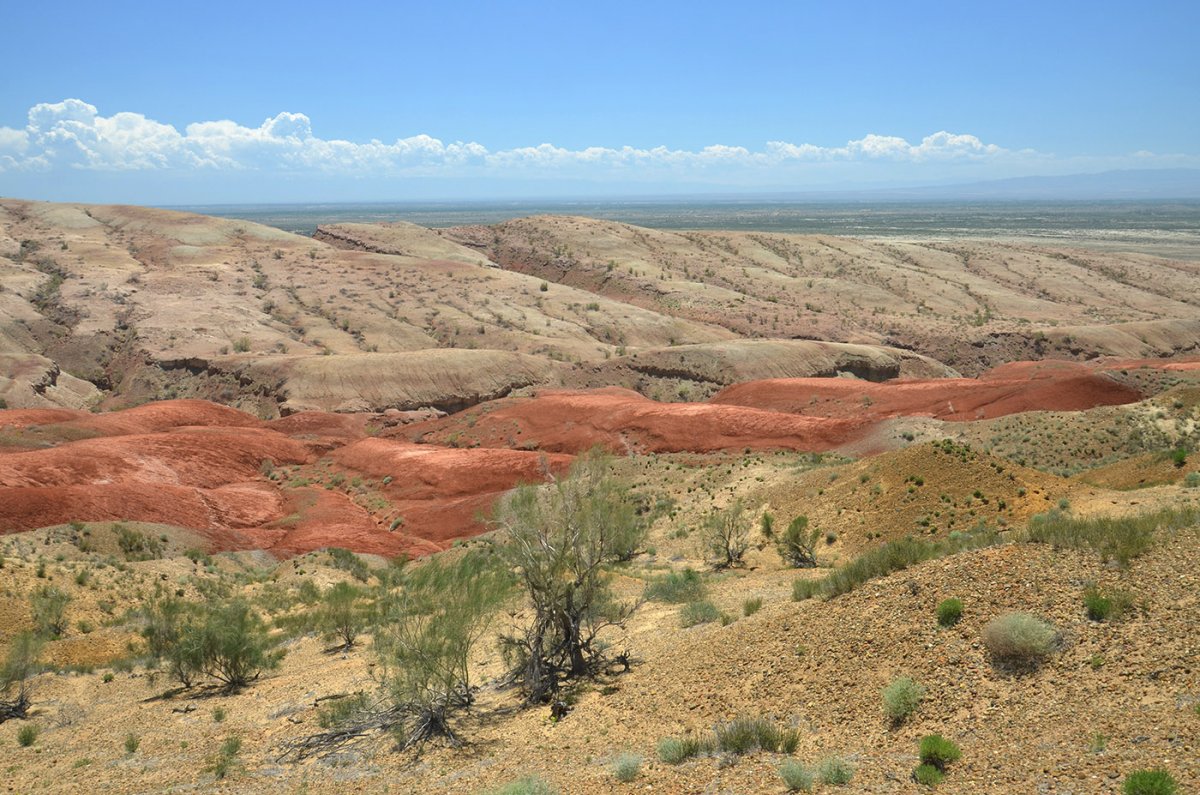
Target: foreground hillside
(1114,696)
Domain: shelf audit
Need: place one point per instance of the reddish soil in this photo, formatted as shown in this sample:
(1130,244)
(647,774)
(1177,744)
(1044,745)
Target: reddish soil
(624,421)
(443,494)
(318,518)
(23,418)
(1023,386)
(199,465)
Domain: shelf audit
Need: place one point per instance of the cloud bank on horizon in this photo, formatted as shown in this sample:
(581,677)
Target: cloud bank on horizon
(72,136)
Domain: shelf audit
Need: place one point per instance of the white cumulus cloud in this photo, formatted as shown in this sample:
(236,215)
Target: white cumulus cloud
(74,134)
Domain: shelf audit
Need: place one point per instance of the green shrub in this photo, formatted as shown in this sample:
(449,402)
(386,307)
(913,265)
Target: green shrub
(530,785)
(131,743)
(348,562)
(892,556)
(626,767)
(1179,457)
(425,637)
(676,587)
(937,751)
(927,775)
(698,613)
(227,641)
(1098,606)
(766,524)
(744,735)
(797,545)
(137,546)
(1102,606)
(901,699)
(1149,782)
(218,714)
(16,673)
(751,606)
(674,750)
(27,735)
(949,612)
(796,777)
(835,770)
(339,711)
(225,760)
(1121,538)
(341,616)
(1019,639)
(48,605)
(726,535)
(1192,480)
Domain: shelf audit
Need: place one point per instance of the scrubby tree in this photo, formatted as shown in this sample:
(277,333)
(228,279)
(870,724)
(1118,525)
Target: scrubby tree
(424,638)
(797,544)
(16,687)
(726,535)
(231,643)
(560,538)
(227,641)
(48,605)
(342,616)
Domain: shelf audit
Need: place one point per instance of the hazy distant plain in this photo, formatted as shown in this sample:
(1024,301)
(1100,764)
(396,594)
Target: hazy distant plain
(1169,229)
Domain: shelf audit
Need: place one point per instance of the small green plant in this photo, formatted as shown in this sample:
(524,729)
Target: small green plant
(674,750)
(752,606)
(131,743)
(339,711)
(1120,538)
(348,562)
(766,524)
(1179,457)
(626,767)
(939,752)
(137,546)
(676,587)
(1098,606)
(1102,607)
(226,757)
(218,714)
(892,556)
(27,735)
(949,612)
(108,677)
(744,735)
(835,770)
(927,775)
(901,699)
(1149,782)
(530,785)
(702,612)
(1019,639)
(241,345)
(796,777)
(1098,743)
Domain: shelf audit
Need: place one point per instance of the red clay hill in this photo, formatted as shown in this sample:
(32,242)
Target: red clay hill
(287,486)
(317,479)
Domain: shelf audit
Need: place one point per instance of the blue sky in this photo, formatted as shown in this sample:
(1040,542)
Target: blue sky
(194,102)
